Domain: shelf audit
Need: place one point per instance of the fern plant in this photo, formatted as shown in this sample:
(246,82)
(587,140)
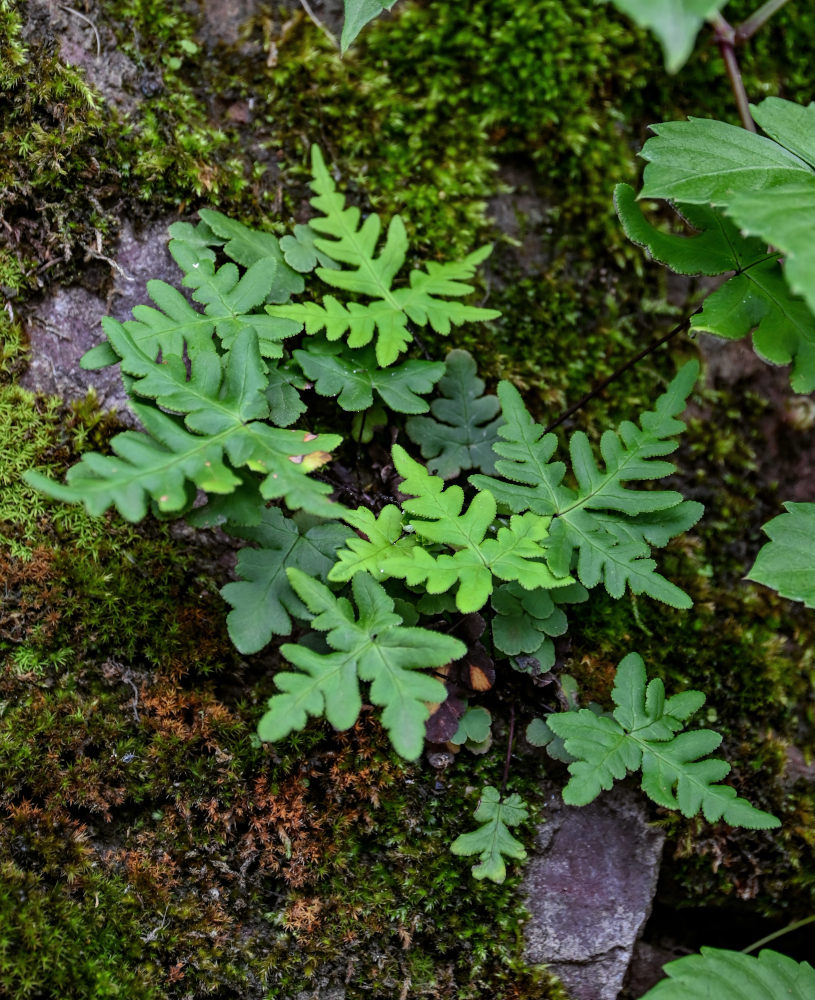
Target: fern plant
(391,600)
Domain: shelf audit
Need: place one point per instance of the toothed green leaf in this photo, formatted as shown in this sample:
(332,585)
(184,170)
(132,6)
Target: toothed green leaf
(358,13)
(717,974)
(787,562)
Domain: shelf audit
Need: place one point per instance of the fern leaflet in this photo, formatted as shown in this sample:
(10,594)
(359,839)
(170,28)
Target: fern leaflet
(606,525)
(492,841)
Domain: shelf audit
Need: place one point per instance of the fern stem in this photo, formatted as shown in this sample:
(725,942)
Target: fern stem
(510,741)
(777,934)
(619,372)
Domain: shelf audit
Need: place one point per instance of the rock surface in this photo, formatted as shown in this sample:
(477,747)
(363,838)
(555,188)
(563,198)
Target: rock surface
(589,890)
(67,323)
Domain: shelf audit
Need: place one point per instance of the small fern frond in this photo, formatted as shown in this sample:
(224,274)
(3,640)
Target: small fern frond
(641,735)
(603,524)
(492,841)
(346,240)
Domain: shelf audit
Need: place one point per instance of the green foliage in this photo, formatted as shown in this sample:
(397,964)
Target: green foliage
(755,297)
(642,735)
(492,841)
(386,317)
(676,23)
(374,647)
(357,14)
(263,600)
(765,185)
(435,515)
(464,426)
(224,407)
(787,562)
(526,620)
(731,975)
(353,377)
(609,527)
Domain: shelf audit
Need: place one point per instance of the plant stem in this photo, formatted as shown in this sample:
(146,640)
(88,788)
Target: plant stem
(592,394)
(510,741)
(777,934)
(753,23)
(725,37)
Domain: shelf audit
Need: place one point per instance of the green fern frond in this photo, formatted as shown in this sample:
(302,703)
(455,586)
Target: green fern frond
(353,244)
(642,736)
(464,424)
(604,525)
(492,841)
(375,647)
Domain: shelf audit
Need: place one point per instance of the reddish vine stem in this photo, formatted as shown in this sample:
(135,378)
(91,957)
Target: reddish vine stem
(510,741)
(593,393)
(749,27)
(725,36)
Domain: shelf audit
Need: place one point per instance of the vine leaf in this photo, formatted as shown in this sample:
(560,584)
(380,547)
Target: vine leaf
(732,975)
(676,23)
(263,601)
(358,13)
(374,647)
(464,426)
(492,841)
(755,298)
(768,190)
(249,247)
(642,735)
(385,318)
(787,562)
(353,380)
(607,526)
(515,553)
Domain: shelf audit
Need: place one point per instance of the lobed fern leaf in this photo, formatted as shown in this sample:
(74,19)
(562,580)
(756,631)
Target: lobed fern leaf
(375,647)
(526,620)
(492,841)
(641,735)
(263,601)
(385,318)
(435,515)
(464,426)
(603,524)
(353,379)
(224,408)
(732,975)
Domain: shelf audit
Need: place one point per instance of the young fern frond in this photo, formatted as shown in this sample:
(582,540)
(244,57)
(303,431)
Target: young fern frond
(644,734)
(374,646)
(492,841)
(603,525)
(385,318)
(464,424)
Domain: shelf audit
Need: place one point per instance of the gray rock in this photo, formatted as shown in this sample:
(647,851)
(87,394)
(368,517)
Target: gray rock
(589,890)
(67,323)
